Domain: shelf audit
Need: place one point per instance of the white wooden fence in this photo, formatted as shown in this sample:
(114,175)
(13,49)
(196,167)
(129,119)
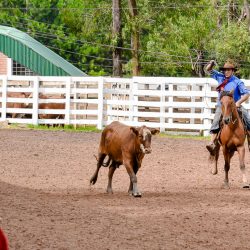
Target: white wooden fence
(171,104)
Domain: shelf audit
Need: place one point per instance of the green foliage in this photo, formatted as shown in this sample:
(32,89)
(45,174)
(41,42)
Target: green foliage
(177,37)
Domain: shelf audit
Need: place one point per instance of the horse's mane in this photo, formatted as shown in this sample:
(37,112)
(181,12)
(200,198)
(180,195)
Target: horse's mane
(226,93)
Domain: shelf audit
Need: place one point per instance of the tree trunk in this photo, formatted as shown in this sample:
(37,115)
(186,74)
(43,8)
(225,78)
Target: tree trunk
(232,11)
(134,37)
(200,66)
(117,38)
(246,5)
(219,19)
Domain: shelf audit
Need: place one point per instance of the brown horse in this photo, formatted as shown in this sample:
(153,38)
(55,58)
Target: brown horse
(231,137)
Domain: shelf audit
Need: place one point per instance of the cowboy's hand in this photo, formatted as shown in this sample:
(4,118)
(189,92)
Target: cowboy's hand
(237,105)
(212,63)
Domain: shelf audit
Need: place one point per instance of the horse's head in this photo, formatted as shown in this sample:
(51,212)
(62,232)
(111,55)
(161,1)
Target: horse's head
(228,106)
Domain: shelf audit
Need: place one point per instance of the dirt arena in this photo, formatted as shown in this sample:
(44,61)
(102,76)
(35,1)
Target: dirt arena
(47,203)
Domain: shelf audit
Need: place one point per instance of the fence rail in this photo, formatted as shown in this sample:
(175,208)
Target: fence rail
(177,104)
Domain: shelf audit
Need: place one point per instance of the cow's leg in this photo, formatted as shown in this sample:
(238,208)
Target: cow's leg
(100,160)
(112,169)
(241,151)
(133,178)
(130,189)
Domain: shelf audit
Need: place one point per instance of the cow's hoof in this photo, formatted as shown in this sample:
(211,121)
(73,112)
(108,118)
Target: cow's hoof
(246,186)
(137,195)
(93,180)
(130,193)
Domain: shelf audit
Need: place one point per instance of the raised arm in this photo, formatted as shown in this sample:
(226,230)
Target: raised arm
(210,66)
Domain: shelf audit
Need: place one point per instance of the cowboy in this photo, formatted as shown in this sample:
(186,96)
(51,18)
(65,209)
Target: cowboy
(227,81)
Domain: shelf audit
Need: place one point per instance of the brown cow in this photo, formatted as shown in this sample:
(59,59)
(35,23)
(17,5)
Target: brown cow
(50,106)
(17,105)
(123,145)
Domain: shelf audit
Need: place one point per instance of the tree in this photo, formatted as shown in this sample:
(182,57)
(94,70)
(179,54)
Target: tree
(117,38)
(134,36)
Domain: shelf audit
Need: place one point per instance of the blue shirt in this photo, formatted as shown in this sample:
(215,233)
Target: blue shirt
(233,83)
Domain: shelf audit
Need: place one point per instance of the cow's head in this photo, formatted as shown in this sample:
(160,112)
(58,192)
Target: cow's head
(143,135)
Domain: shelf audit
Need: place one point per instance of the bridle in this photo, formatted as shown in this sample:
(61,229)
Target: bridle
(230,117)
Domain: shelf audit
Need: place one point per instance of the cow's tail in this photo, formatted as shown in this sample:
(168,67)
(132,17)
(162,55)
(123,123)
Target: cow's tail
(100,163)
(104,164)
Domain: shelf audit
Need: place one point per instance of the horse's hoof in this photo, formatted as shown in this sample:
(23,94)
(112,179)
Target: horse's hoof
(214,172)
(137,195)
(109,191)
(225,186)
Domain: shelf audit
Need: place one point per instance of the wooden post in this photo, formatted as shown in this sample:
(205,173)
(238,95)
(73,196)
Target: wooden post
(100,103)
(4,98)
(35,103)
(67,101)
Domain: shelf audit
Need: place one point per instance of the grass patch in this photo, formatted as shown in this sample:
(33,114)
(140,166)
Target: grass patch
(84,128)
(197,137)
(65,128)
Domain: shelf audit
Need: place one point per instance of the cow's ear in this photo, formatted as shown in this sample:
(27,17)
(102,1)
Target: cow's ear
(154,131)
(135,130)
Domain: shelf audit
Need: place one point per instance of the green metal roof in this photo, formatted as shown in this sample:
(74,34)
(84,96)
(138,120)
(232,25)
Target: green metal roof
(27,51)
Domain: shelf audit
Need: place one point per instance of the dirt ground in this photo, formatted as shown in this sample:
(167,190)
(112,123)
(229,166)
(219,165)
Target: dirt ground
(46,201)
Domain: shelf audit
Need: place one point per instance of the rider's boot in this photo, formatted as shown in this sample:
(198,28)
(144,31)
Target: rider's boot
(211,146)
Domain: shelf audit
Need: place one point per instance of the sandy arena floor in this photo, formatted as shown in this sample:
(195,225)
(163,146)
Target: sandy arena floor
(47,203)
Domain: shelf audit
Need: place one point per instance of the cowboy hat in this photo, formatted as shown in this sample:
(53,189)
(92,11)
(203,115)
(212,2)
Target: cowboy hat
(228,65)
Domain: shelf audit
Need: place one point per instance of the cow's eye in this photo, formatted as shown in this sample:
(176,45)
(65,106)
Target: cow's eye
(140,136)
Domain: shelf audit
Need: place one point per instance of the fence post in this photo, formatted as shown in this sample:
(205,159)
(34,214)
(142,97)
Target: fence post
(131,100)
(162,107)
(135,99)
(100,102)
(76,96)
(207,109)
(67,101)
(171,102)
(35,103)
(192,110)
(4,98)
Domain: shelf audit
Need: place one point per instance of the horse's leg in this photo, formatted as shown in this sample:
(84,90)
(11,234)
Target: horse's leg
(226,166)
(241,151)
(216,157)
(112,169)
(100,160)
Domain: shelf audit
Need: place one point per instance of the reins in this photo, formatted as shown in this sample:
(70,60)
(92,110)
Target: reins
(232,114)
(236,119)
